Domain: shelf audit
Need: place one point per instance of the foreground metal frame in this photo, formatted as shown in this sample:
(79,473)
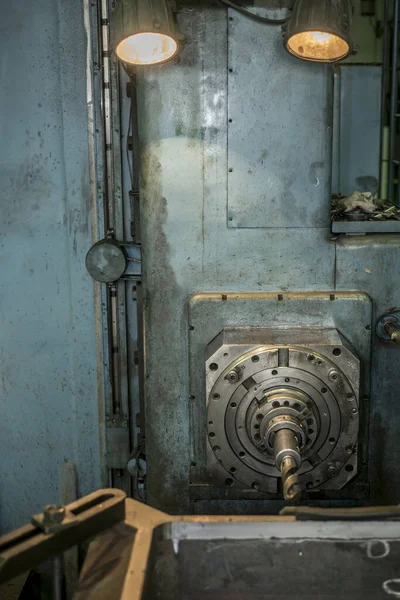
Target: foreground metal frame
(118,564)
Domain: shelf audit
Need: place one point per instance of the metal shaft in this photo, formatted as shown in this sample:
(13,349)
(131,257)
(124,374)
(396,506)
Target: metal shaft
(288,460)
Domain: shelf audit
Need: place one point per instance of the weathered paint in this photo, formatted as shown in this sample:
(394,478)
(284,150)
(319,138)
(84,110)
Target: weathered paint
(190,248)
(372,263)
(47,342)
(279,133)
(187,245)
(356,160)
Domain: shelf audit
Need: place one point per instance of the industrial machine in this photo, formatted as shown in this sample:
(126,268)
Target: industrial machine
(280,402)
(283,417)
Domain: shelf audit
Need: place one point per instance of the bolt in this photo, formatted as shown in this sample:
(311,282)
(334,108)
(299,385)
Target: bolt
(333,376)
(54,513)
(332,471)
(233,377)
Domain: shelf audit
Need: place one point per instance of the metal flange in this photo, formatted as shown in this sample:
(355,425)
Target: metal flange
(328,406)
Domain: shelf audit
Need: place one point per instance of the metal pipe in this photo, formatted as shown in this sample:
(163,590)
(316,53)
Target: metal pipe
(393,99)
(114,350)
(58,577)
(136,233)
(385,72)
(135,215)
(107,117)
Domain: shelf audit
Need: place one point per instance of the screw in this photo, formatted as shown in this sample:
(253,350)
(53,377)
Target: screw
(332,471)
(54,513)
(333,375)
(233,377)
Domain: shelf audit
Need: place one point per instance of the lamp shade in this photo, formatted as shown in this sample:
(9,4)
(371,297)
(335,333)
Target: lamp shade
(319,30)
(144,32)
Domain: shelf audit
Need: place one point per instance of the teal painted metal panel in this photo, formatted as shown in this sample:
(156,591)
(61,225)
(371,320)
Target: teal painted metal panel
(280,131)
(48,385)
(187,244)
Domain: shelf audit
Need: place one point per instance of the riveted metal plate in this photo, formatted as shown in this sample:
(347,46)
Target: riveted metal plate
(265,188)
(247,320)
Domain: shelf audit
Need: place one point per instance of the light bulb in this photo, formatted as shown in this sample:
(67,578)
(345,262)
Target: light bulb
(319,30)
(146,48)
(318,45)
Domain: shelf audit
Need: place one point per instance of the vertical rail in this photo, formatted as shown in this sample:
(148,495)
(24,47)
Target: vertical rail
(110,300)
(135,219)
(393,99)
(107,116)
(58,569)
(135,207)
(94,91)
(385,74)
(337,125)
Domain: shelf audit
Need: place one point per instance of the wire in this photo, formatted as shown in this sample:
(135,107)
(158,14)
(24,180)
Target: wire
(253,16)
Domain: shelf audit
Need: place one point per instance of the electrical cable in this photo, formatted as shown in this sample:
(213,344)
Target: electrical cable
(253,16)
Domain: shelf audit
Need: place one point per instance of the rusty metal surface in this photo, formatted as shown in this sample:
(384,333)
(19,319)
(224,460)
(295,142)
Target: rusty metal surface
(225,557)
(31,544)
(103,573)
(145,553)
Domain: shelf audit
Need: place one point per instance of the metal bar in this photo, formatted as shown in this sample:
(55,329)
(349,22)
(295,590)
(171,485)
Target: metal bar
(107,116)
(393,98)
(337,93)
(58,572)
(30,545)
(114,347)
(135,216)
(97,187)
(114,326)
(141,354)
(385,73)
(358,227)
(362,513)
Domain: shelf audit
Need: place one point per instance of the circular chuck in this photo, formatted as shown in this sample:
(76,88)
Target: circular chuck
(280,417)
